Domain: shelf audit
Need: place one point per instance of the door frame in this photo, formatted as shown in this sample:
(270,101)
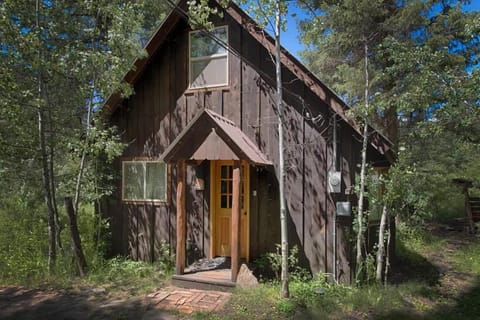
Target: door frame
(213,204)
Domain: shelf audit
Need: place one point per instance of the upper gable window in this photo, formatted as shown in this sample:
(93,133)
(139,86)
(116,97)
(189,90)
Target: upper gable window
(208,58)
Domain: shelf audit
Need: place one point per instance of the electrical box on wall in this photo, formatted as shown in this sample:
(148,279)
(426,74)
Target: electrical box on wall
(344,208)
(334,181)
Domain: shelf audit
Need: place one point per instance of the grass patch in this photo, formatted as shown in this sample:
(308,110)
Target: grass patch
(260,303)
(416,239)
(118,276)
(410,264)
(136,277)
(319,300)
(467,259)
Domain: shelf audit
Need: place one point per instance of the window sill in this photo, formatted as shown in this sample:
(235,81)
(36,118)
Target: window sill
(146,202)
(192,91)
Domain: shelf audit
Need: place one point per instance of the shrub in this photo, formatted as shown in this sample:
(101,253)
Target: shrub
(271,264)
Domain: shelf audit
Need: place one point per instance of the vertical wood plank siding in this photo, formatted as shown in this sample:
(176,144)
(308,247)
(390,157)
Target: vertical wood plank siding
(162,106)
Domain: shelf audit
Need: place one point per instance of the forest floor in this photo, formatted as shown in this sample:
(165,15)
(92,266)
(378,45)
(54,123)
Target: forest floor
(74,304)
(449,267)
(168,303)
(447,291)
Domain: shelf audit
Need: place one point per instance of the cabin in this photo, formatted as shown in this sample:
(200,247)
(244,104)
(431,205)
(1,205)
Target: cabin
(201,168)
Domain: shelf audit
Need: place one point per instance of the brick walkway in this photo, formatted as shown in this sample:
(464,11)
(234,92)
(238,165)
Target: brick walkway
(188,300)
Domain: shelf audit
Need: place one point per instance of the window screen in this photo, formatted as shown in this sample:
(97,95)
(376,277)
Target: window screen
(144,181)
(209,58)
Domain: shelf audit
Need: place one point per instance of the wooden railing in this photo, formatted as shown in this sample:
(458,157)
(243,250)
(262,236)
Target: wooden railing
(474,204)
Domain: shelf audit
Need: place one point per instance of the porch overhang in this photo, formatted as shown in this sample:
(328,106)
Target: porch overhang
(209,136)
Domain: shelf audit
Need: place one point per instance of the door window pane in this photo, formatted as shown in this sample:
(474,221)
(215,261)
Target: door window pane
(223,170)
(223,202)
(226,187)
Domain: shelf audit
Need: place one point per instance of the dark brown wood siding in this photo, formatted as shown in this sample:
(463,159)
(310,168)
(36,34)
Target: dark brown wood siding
(162,106)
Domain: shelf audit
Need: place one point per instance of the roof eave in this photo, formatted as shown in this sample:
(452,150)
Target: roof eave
(138,66)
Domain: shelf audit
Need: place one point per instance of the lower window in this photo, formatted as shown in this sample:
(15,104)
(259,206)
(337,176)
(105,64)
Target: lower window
(144,181)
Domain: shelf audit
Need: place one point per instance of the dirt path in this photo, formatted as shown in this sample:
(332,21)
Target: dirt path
(94,303)
(455,238)
(21,303)
(453,287)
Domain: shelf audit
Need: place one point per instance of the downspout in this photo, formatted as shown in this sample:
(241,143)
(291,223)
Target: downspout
(334,233)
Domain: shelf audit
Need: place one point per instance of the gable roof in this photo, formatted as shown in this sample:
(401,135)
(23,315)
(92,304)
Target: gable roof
(209,136)
(377,140)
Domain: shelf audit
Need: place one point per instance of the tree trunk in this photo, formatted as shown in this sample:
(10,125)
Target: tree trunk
(283,212)
(52,250)
(387,258)
(360,222)
(58,227)
(80,257)
(381,245)
(75,237)
(78,186)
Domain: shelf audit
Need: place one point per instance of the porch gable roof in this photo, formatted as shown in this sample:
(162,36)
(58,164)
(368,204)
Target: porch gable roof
(209,136)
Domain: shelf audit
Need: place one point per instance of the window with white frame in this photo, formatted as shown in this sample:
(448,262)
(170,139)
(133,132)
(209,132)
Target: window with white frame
(144,181)
(208,58)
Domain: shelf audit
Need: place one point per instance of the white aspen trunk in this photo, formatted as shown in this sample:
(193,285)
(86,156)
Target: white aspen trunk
(387,258)
(76,240)
(381,245)
(283,211)
(361,195)
(81,168)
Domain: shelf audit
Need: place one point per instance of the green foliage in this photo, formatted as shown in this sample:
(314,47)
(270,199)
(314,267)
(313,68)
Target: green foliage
(24,247)
(318,299)
(416,239)
(424,77)
(336,35)
(22,241)
(264,13)
(412,299)
(201,13)
(139,276)
(120,269)
(419,186)
(271,263)
(63,60)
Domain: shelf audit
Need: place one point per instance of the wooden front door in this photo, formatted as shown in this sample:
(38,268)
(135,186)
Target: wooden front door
(222,205)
